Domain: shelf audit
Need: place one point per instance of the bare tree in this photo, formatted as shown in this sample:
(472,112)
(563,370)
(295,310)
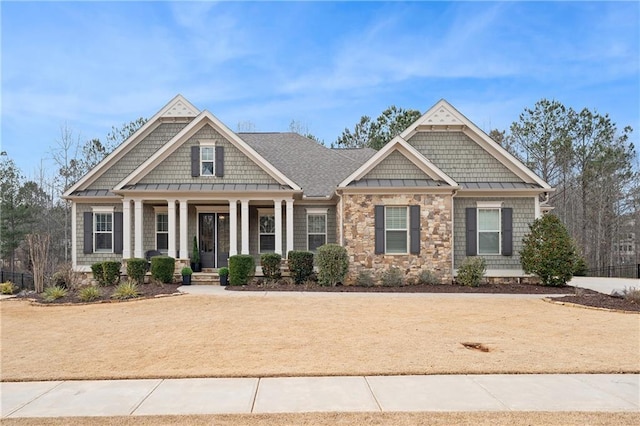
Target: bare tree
(39,253)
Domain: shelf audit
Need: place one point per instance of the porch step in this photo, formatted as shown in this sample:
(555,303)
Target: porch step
(205,278)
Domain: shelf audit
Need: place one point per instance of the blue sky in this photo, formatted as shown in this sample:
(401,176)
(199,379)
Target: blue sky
(93,65)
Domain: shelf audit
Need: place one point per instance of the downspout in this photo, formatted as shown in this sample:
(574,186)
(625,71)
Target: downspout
(453,232)
(341,216)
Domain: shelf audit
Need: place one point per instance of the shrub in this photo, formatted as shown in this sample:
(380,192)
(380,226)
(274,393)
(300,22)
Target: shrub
(242,267)
(223,272)
(162,268)
(186,271)
(136,269)
(580,268)
(59,279)
(365,279)
(195,253)
(96,270)
(65,277)
(7,287)
(111,272)
(548,251)
(428,277)
(471,271)
(300,265)
(126,290)
(333,264)
(631,294)
(89,293)
(392,277)
(53,292)
(270,263)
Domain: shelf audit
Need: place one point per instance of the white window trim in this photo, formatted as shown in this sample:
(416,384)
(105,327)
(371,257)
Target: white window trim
(265,212)
(317,212)
(208,144)
(161,210)
(406,230)
(499,209)
(102,210)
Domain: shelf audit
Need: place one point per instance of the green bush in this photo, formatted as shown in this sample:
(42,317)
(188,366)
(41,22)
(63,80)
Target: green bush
(392,277)
(186,271)
(580,268)
(111,272)
(270,263)
(128,289)
(223,272)
(89,293)
(365,279)
(7,288)
(548,251)
(429,278)
(162,268)
(98,275)
(333,264)
(471,271)
(300,265)
(136,269)
(242,267)
(53,293)
(195,253)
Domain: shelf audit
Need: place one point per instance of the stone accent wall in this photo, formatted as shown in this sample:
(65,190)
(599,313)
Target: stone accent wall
(435,235)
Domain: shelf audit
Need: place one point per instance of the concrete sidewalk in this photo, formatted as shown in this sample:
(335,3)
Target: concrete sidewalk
(605,285)
(526,392)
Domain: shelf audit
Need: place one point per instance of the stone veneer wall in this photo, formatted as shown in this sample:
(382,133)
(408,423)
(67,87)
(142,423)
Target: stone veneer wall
(435,235)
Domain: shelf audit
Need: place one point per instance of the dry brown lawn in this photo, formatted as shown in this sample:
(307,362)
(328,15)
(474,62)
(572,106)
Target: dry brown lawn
(213,336)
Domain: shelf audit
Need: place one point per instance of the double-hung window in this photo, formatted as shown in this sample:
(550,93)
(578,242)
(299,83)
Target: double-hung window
(266,231)
(207,160)
(162,231)
(489,231)
(396,230)
(103,232)
(316,228)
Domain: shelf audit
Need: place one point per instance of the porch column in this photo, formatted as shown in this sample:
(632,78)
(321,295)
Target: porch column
(289,226)
(126,228)
(244,218)
(184,251)
(137,226)
(171,213)
(233,227)
(277,210)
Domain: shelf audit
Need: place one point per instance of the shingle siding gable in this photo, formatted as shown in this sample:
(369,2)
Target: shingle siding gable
(461,158)
(396,166)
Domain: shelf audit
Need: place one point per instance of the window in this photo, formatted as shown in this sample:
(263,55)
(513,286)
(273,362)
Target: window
(162,232)
(316,230)
(103,232)
(488,231)
(267,232)
(207,160)
(396,230)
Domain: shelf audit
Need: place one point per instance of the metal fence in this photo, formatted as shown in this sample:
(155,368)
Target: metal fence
(19,279)
(619,271)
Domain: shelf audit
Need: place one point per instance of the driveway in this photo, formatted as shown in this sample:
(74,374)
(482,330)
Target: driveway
(605,285)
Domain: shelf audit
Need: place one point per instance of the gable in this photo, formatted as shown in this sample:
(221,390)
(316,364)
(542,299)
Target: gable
(396,166)
(460,157)
(238,168)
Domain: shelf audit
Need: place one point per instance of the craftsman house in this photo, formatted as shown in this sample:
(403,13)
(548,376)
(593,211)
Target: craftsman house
(437,193)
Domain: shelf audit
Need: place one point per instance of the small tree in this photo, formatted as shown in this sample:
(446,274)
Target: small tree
(548,251)
(39,252)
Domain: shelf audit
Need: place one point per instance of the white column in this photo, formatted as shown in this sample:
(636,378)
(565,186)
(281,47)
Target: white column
(137,205)
(126,228)
(233,227)
(289,226)
(277,210)
(244,218)
(171,213)
(184,251)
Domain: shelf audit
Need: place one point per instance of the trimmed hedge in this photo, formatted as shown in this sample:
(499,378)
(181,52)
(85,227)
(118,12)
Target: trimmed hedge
(270,263)
(111,272)
(471,271)
(96,270)
(300,265)
(333,264)
(162,268)
(242,267)
(136,268)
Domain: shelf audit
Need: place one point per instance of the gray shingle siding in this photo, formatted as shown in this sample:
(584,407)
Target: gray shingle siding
(396,166)
(523,215)
(91,258)
(238,168)
(138,154)
(300,225)
(461,158)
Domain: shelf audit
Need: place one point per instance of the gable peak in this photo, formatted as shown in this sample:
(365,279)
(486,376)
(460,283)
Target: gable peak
(179,107)
(442,113)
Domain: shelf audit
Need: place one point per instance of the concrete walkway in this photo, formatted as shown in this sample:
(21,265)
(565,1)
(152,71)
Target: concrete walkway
(545,392)
(605,285)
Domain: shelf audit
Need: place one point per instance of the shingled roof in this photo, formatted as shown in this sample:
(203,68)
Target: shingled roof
(314,167)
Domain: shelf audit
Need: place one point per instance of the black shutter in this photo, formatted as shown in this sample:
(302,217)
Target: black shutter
(88,232)
(471,231)
(379,228)
(195,161)
(219,161)
(414,226)
(507,231)
(117,233)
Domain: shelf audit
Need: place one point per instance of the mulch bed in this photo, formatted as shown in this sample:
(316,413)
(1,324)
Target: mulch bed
(146,291)
(599,300)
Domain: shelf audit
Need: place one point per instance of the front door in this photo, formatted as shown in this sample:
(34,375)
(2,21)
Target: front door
(214,239)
